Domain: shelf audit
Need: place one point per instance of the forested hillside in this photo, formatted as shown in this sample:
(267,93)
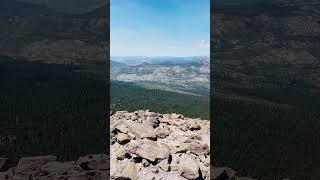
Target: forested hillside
(264,139)
(53,66)
(127,96)
(50,109)
(265,68)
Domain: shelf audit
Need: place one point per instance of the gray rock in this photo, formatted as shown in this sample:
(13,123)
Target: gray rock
(153,121)
(145,163)
(121,153)
(188,167)
(164,165)
(194,127)
(176,116)
(162,132)
(142,131)
(155,170)
(195,147)
(122,126)
(123,138)
(152,151)
(129,172)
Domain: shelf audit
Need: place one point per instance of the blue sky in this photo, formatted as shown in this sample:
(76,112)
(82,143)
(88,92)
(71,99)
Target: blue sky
(160,27)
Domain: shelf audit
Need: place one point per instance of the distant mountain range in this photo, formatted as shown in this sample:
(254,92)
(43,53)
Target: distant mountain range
(185,75)
(12,8)
(137,60)
(268,51)
(69,6)
(26,8)
(37,31)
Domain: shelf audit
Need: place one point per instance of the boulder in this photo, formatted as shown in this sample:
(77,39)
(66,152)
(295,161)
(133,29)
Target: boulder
(176,116)
(162,132)
(153,121)
(155,170)
(142,131)
(196,147)
(145,163)
(164,165)
(133,145)
(123,138)
(188,167)
(130,172)
(121,153)
(174,165)
(205,170)
(152,151)
(195,137)
(194,127)
(122,126)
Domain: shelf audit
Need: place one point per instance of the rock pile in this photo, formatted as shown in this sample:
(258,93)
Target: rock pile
(147,145)
(90,167)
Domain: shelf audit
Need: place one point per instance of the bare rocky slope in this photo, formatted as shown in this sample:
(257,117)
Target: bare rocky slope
(147,145)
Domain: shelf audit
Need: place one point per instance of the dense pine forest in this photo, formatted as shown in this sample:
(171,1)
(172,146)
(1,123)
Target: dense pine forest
(50,109)
(127,96)
(266,140)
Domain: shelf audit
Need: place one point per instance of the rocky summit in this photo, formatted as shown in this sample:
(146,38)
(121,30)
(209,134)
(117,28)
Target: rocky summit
(148,145)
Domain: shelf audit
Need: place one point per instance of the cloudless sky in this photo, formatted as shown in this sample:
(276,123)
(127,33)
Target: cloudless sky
(159,27)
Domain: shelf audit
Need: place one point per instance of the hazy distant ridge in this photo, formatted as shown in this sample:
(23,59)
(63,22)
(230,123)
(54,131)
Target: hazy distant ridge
(183,74)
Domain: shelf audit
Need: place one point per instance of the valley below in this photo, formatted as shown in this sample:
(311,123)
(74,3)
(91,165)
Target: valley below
(189,75)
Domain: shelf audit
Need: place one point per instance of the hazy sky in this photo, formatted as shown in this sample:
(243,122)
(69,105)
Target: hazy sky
(160,27)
